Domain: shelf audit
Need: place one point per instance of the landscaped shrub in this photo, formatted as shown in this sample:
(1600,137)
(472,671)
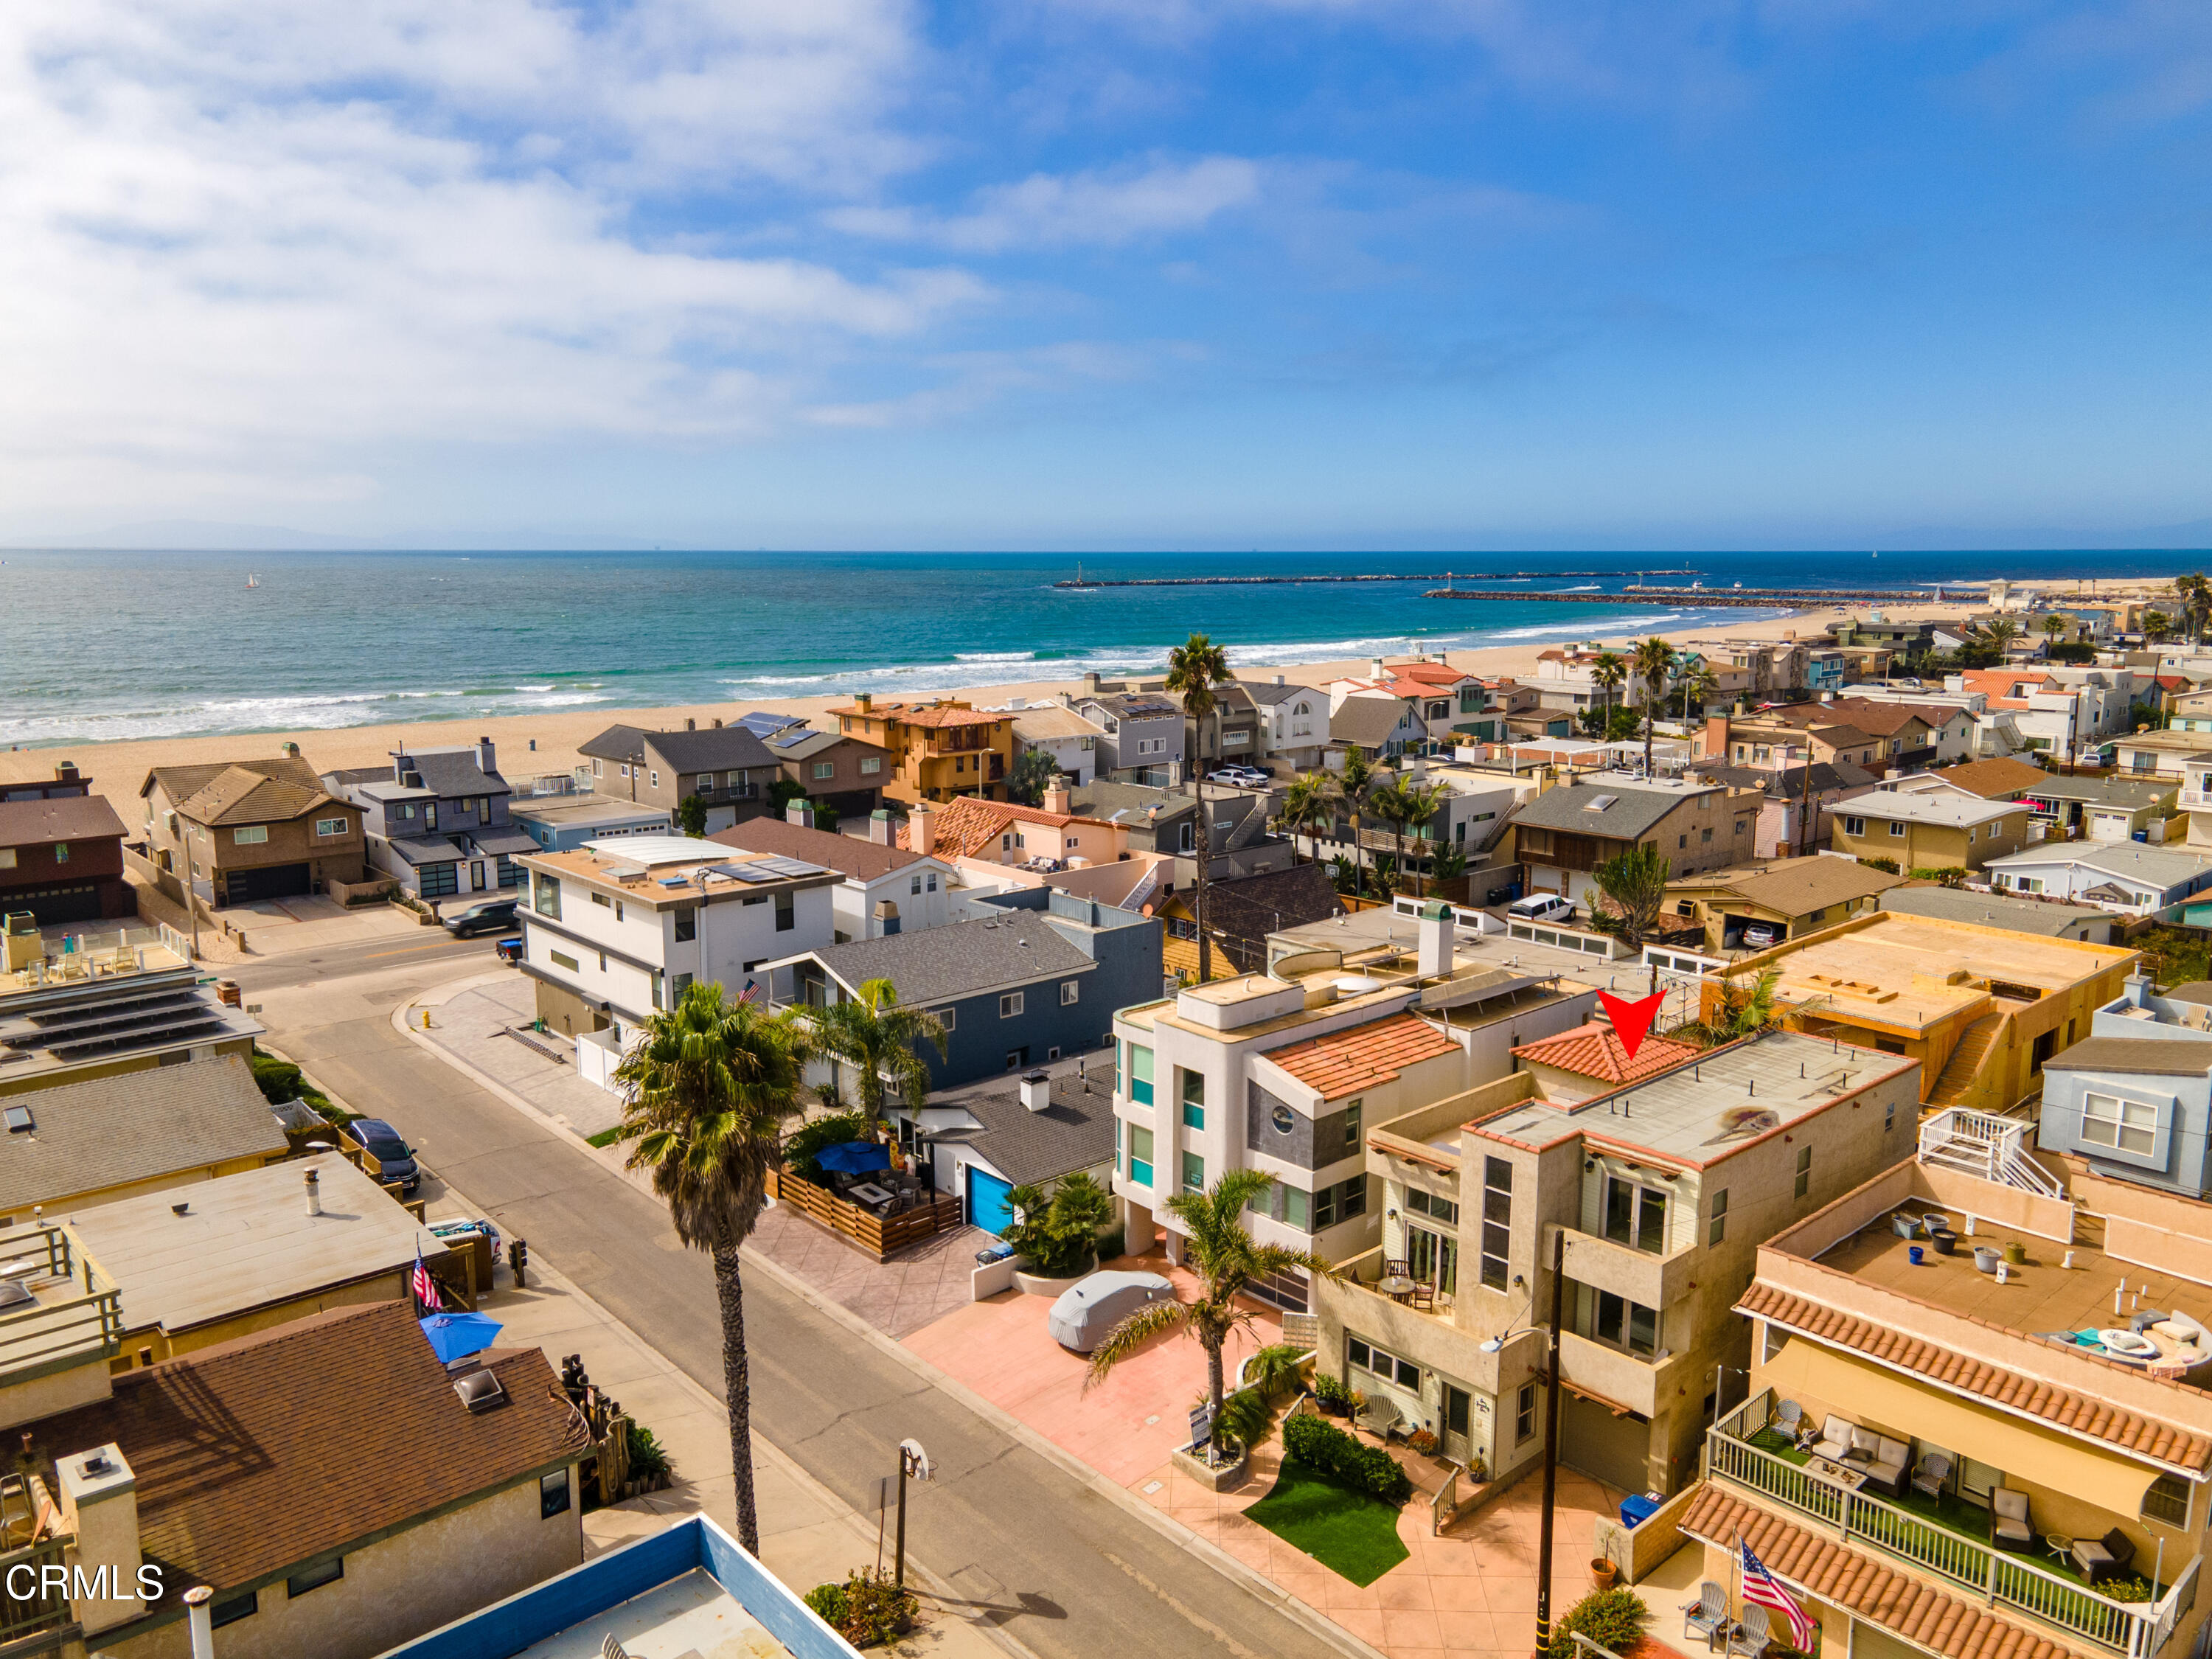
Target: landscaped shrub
(867,1609)
(279,1080)
(1057,1238)
(800,1146)
(1613,1619)
(1889,866)
(648,1459)
(1246,1418)
(1331,1393)
(1950,875)
(1327,1449)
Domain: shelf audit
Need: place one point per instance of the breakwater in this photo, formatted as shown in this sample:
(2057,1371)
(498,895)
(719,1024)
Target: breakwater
(1447,576)
(1760,598)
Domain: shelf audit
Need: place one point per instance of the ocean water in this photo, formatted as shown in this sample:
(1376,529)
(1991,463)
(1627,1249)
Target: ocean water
(96,647)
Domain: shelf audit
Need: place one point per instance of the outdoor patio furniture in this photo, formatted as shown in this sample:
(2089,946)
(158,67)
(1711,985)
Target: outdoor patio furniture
(2059,1545)
(1752,1636)
(2100,1558)
(2011,1527)
(1707,1616)
(1397,1269)
(1885,1464)
(1425,1296)
(1380,1418)
(1933,1470)
(1835,1441)
(1789,1418)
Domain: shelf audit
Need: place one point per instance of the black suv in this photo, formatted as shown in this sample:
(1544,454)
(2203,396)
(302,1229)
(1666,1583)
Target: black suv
(492,916)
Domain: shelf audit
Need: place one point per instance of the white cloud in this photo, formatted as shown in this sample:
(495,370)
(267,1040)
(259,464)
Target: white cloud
(1098,209)
(237,242)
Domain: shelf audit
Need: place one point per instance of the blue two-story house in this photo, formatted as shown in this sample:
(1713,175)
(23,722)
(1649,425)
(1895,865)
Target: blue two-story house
(2134,1097)
(1037,981)
(436,820)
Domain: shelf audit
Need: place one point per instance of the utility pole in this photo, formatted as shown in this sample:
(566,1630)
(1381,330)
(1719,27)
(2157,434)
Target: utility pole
(1550,1452)
(914,1461)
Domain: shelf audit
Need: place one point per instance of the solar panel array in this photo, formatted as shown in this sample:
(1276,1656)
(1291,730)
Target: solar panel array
(762,724)
(751,873)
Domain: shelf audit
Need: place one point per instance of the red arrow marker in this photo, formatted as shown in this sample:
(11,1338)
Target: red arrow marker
(1631,1021)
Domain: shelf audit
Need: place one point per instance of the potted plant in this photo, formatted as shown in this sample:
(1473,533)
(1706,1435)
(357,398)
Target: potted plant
(1055,1239)
(1423,1441)
(1331,1395)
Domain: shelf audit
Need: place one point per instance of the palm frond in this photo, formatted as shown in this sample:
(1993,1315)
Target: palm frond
(1130,1334)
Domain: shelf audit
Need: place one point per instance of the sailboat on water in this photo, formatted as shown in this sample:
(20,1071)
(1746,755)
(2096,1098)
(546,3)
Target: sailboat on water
(252,581)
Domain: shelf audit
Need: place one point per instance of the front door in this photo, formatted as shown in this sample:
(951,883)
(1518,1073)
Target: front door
(475,875)
(1458,1441)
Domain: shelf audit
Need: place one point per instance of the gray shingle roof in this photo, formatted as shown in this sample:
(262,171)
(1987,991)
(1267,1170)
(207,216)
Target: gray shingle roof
(1627,814)
(1129,803)
(1076,1132)
(2103,792)
(454,772)
(2149,1056)
(134,1126)
(1368,721)
(1268,693)
(2160,866)
(941,965)
(717,748)
(849,855)
(1242,914)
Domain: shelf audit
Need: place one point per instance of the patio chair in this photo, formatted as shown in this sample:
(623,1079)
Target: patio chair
(1886,1468)
(2100,1558)
(1380,1418)
(2011,1527)
(1397,1269)
(1753,1634)
(1933,1469)
(1708,1615)
(1790,1420)
(1424,1296)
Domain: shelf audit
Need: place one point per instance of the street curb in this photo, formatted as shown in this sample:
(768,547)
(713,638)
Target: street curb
(1316,1623)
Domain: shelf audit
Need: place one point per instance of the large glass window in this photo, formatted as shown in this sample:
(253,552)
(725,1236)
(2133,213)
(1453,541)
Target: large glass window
(1141,1074)
(1635,1215)
(1194,1173)
(546,896)
(1433,1258)
(1352,1112)
(1193,1100)
(1140,1155)
(687,925)
(2126,1126)
(1298,1207)
(1626,1324)
(1497,1221)
(1361,1355)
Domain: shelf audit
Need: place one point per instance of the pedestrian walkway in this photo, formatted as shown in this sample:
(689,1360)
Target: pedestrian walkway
(918,1286)
(469,1022)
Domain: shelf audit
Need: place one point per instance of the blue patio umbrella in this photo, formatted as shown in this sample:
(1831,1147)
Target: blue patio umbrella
(456,1335)
(855,1157)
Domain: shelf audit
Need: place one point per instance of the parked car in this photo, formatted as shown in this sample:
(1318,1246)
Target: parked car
(1541,907)
(458,1229)
(509,950)
(1241,777)
(1084,1313)
(492,915)
(383,1143)
(1759,935)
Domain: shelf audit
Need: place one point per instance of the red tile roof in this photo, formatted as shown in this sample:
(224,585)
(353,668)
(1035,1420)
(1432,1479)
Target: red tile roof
(1595,1050)
(1346,1062)
(2063,1406)
(924,713)
(1862,1584)
(966,826)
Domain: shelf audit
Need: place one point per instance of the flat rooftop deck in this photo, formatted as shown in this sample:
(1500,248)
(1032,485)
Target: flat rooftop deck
(692,1617)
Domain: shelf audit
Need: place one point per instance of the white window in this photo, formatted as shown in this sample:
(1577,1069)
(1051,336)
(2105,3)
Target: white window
(914,891)
(7,857)
(330,826)
(1897,829)
(2127,1125)
(1069,989)
(1009,1004)
(945,1015)
(654,778)
(1855,826)
(872,765)
(250,834)
(825,769)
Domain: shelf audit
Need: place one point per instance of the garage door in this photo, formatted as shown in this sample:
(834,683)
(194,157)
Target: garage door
(1614,1450)
(986,1200)
(272,881)
(72,902)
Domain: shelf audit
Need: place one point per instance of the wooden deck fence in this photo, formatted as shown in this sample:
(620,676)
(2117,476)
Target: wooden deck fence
(882,1236)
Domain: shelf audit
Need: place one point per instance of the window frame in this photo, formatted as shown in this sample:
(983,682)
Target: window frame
(293,1588)
(2119,1123)
(1009,1004)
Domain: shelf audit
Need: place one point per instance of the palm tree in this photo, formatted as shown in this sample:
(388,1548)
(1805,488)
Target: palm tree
(1226,1260)
(1699,684)
(1402,803)
(1356,784)
(881,1039)
(1609,674)
(1309,802)
(1653,665)
(1194,668)
(706,1092)
(2156,625)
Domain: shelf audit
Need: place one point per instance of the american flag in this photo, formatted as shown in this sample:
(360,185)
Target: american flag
(751,990)
(1761,1586)
(425,1287)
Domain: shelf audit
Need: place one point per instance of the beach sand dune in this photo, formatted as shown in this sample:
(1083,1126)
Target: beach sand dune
(540,744)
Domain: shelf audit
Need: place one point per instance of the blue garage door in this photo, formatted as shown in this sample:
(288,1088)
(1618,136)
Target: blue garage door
(986,1200)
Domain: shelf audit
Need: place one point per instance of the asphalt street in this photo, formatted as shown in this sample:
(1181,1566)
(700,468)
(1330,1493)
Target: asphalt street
(1067,1571)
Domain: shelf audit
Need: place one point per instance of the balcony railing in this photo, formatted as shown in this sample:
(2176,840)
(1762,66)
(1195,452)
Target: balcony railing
(2137,1629)
(45,1605)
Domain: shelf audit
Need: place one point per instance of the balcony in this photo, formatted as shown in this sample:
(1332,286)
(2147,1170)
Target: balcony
(74,1317)
(1643,1277)
(1742,1452)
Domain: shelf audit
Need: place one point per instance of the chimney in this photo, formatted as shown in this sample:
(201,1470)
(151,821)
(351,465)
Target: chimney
(865,702)
(1055,794)
(920,831)
(887,918)
(1036,1090)
(399,766)
(200,1621)
(1375,668)
(1279,679)
(65,772)
(800,812)
(314,1191)
(716,722)
(691,723)
(100,1506)
(487,757)
(1090,683)
(2138,989)
(1434,952)
(880,828)
(293,749)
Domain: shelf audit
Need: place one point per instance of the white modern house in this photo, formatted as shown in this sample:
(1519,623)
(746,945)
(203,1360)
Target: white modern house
(613,931)
(2127,878)
(886,888)
(1297,720)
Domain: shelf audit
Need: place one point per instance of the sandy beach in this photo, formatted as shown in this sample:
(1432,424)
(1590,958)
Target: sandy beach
(533,745)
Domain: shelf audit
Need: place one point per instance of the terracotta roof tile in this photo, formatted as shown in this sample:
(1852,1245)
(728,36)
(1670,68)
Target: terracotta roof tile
(2063,1406)
(1595,1051)
(966,826)
(1350,1061)
(229,1439)
(243,792)
(1915,1610)
(925,713)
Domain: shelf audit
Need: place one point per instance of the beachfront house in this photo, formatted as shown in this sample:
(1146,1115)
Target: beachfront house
(1296,720)
(1142,739)
(934,751)
(728,768)
(887,888)
(61,851)
(435,820)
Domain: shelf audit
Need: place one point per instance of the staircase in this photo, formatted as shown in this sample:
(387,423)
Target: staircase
(1992,1149)
(1956,1080)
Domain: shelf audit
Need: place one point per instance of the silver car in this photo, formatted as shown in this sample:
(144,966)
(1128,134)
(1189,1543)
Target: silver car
(1084,1314)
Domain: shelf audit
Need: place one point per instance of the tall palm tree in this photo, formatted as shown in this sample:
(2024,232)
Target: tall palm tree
(1401,804)
(881,1039)
(1699,684)
(1356,784)
(1609,674)
(1310,801)
(706,1092)
(1194,668)
(1653,665)
(2156,625)
(1226,1260)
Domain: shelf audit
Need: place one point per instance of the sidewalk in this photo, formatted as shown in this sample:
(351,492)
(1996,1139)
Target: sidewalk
(469,1019)
(277,926)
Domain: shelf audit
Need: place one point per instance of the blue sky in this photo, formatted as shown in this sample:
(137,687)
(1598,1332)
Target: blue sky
(1304,273)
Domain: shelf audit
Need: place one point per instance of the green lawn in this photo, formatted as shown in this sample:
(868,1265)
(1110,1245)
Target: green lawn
(1351,1534)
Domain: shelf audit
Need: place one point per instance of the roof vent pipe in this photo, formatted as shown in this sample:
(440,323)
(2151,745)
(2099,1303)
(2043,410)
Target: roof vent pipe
(314,1191)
